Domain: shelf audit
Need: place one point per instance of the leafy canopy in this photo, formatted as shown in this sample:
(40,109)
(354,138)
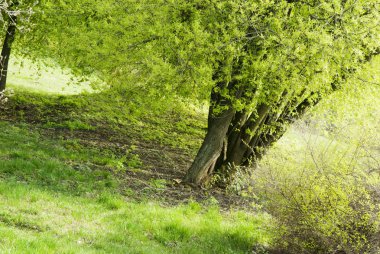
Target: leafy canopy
(266,48)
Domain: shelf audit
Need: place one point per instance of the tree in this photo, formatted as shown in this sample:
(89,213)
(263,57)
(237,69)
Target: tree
(11,10)
(7,45)
(264,61)
(112,39)
(270,61)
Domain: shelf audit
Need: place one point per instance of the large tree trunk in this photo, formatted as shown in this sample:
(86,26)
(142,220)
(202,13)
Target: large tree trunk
(218,123)
(211,149)
(236,139)
(6,51)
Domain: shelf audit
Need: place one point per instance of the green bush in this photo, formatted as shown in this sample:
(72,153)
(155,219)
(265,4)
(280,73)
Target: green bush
(321,182)
(323,192)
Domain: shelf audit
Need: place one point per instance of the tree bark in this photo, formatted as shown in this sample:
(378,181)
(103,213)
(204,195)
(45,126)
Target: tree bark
(241,138)
(211,149)
(6,51)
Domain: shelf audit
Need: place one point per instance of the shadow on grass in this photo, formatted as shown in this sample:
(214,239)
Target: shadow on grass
(27,157)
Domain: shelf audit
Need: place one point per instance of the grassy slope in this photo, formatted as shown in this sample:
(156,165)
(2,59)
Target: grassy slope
(60,196)
(48,206)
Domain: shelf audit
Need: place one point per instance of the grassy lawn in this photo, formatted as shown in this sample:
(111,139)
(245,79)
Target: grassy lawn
(51,202)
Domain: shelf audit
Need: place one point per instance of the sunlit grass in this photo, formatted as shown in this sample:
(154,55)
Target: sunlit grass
(25,74)
(50,205)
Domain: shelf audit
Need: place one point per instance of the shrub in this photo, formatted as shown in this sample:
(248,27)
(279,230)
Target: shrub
(323,192)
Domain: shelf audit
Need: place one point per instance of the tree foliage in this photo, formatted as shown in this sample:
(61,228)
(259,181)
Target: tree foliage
(263,61)
(271,60)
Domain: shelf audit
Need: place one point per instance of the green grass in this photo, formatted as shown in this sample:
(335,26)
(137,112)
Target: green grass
(62,100)
(129,115)
(54,198)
